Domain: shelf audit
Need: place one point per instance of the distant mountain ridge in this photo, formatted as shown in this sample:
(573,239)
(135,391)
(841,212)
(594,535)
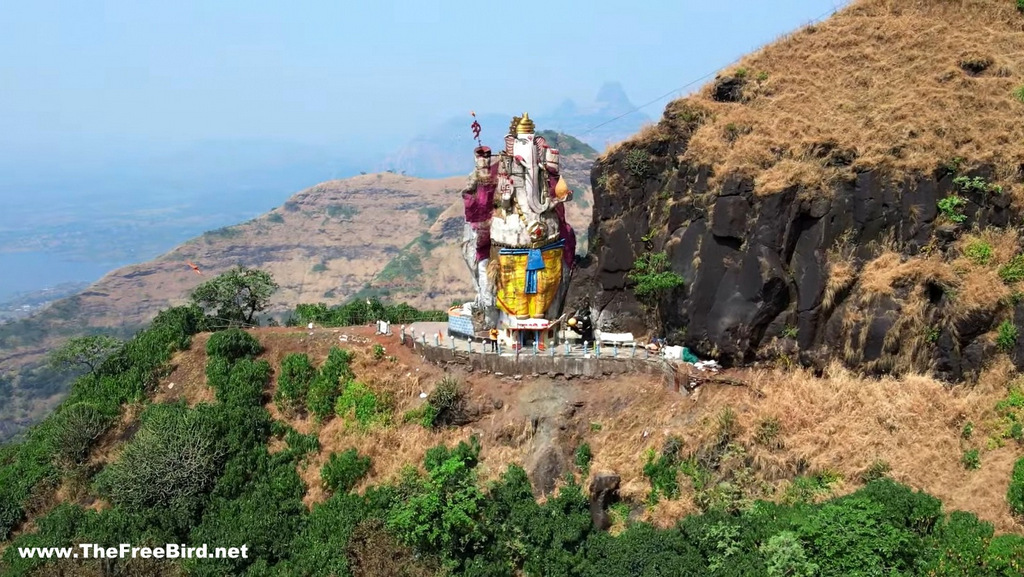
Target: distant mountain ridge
(441,150)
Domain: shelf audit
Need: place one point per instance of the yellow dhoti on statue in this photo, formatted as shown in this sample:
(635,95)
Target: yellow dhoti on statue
(529,279)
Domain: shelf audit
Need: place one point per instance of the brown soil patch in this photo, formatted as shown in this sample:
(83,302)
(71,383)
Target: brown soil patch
(187,380)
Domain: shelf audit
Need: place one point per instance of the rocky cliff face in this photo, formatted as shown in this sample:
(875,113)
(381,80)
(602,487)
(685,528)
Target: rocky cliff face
(869,271)
(848,192)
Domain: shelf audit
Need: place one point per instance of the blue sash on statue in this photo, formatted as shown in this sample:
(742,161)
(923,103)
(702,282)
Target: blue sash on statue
(534,262)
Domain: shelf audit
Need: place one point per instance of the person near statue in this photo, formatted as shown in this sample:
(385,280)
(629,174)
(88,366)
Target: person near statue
(494,339)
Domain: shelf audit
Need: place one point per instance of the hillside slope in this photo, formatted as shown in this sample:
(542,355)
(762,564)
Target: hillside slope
(269,462)
(850,191)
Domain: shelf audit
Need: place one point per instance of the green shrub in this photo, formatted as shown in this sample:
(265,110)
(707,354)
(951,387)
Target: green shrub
(790,332)
(1007,336)
(1015,495)
(444,512)
(1020,5)
(324,391)
(170,464)
(638,162)
(976,184)
(971,460)
(76,427)
(360,403)
(807,488)
(785,557)
(424,415)
(233,344)
(275,218)
(378,351)
(653,277)
(1016,431)
(343,470)
(323,394)
(967,430)
(1013,271)
(979,252)
(297,373)
(663,471)
(265,513)
(300,445)
(246,384)
(951,208)
(1019,94)
(1005,555)
(320,267)
(582,457)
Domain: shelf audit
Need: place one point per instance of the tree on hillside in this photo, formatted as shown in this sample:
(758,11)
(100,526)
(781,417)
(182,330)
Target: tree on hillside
(654,280)
(87,352)
(237,295)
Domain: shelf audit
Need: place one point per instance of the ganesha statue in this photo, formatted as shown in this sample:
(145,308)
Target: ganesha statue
(517,243)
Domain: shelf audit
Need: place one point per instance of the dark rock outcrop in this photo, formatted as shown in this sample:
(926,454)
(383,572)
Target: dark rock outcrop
(728,89)
(759,268)
(604,492)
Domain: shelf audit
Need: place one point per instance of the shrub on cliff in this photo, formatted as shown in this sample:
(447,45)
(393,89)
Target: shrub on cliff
(653,279)
(1015,495)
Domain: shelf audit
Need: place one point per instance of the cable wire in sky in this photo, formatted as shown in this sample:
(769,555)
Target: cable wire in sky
(679,90)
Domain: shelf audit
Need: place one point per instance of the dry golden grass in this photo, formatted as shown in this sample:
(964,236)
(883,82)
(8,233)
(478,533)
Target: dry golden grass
(980,287)
(841,422)
(883,79)
(882,275)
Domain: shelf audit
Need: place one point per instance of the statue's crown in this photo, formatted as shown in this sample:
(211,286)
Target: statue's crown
(525,125)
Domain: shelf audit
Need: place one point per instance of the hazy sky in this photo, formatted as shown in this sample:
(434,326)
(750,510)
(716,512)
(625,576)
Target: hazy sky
(90,74)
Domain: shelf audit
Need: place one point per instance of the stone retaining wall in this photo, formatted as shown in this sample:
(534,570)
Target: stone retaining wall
(558,365)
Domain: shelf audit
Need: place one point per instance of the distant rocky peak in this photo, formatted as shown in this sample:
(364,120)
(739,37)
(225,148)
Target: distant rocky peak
(611,96)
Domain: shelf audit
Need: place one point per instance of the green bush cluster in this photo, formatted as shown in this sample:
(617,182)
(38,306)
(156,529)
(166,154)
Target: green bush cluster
(1006,336)
(1011,414)
(233,344)
(296,375)
(976,184)
(979,252)
(662,470)
(582,457)
(360,404)
(653,277)
(343,470)
(638,162)
(1013,271)
(951,208)
(1015,494)
(325,388)
(359,312)
(971,459)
